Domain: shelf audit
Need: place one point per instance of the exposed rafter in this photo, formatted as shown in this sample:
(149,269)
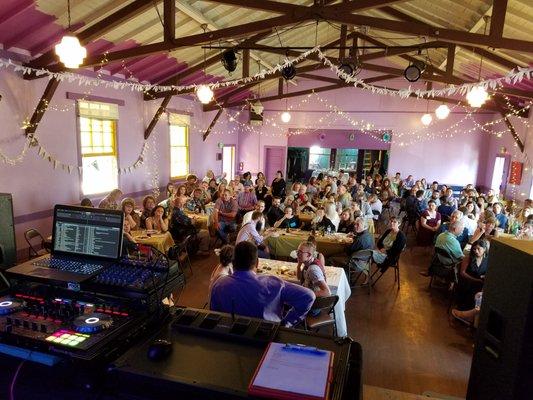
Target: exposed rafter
(413,28)
(156,117)
(498,18)
(169,15)
(42,106)
(212,124)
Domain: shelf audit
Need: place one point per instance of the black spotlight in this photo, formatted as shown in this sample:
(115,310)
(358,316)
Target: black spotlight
(414,71)
(288,72)
(229,60)
(350,67)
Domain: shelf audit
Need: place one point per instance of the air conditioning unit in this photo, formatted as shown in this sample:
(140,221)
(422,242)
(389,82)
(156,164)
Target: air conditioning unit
(256,113)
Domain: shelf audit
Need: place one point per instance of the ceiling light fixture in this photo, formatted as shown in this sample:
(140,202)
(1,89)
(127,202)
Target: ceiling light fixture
(477,96)
(426,119)
(288,72)
(70,52)
(229,60)
(286,115)
(414,71)
(204,92)
(442,111)
(350,66)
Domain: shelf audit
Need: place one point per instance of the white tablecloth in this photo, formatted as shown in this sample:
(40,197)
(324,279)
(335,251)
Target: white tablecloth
(335,277)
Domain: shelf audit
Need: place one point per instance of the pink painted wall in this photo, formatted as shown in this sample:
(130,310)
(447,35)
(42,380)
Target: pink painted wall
(37,187)
(455,160)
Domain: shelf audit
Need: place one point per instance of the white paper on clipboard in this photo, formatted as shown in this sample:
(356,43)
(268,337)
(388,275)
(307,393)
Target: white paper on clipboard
(297,371)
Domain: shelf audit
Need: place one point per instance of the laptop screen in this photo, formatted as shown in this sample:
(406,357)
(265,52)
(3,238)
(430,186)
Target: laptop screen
(83,231)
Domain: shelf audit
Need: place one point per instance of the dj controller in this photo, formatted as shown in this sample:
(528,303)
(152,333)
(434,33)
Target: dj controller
(99,317)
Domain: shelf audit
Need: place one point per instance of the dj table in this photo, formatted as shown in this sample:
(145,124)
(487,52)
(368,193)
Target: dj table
(199,366)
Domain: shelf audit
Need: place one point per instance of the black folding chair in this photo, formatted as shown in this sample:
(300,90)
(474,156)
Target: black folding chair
(381,269)
(326,305)
(34,240)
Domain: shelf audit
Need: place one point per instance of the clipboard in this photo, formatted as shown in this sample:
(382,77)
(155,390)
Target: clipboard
(293,371)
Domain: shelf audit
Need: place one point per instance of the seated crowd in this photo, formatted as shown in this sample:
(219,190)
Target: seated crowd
(242,208)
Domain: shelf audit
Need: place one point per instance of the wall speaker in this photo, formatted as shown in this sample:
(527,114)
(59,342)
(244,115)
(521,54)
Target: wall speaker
(219,156)
(8,250)
(502,365)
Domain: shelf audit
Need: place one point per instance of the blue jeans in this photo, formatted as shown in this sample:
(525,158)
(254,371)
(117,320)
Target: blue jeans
(224,228)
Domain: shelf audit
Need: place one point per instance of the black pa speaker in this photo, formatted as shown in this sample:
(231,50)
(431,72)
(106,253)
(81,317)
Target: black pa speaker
(502,366)
(8,251)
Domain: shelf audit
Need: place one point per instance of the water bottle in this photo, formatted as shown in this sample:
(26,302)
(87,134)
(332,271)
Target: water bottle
(478,299)
(328,230)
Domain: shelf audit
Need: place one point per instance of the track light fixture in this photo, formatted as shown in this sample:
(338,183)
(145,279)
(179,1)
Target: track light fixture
(288,72)
(414,71)
(229,60)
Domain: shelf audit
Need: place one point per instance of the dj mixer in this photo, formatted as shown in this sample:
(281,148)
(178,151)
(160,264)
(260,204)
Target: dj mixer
(93,318)
(63,325)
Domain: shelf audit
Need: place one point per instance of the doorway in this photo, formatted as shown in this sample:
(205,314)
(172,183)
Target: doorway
(499,173)
(228,162)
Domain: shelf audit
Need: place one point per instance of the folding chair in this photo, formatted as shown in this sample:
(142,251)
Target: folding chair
(394,264)
(180,253)
(31,235)
(326,305)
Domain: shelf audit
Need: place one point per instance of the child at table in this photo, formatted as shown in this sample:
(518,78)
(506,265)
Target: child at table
(224,267)
(158,220)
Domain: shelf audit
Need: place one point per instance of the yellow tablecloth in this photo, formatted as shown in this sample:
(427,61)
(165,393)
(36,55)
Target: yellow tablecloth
(161,241)
(282,243)
(201,221)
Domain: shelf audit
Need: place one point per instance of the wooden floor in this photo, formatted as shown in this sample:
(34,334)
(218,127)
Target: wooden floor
(409,343)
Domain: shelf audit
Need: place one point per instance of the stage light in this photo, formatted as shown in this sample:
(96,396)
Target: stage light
(286,116)
(442,111)
(205,94)
(477,96)
(350,67)
(426,119)
(229,60)
(414,71)
(288,72)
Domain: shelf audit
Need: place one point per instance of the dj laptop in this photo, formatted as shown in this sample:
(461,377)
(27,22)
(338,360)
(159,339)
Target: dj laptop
(84,241)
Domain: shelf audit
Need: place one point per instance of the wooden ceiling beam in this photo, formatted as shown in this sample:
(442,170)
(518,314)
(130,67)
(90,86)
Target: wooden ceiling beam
(225,33)
(42,106)
(413,28)
(162,108)
(497,21)
(174,80)
(478,50)
(169,18)
(502,109)
(450,60)
(97,30)
(245,63)
(283,8)
(212,124)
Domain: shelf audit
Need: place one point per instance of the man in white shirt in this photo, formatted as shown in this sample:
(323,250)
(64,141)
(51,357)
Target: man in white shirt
(260,206)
